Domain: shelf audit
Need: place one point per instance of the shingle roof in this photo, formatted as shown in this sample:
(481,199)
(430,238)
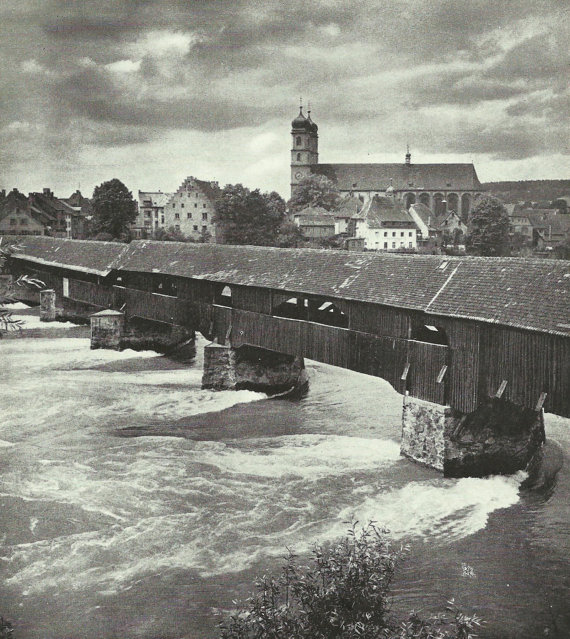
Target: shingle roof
(533,294)
(376,177)
(156,198)
(526,293)
(80,255)
(425,214)
(381,210)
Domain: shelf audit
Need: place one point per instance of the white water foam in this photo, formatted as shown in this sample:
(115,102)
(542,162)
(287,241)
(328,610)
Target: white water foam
(33,321)
(15,306)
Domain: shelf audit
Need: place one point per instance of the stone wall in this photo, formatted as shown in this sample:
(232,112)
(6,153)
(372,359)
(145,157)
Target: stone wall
(424,426)
(251,368)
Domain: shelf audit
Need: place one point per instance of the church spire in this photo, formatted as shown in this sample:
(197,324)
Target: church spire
(408,155)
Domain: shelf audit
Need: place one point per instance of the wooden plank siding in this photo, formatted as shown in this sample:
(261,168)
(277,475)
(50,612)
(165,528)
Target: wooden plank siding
(380,356)
(250,298)
(90,293)
(426,361)
(523,358)
(379,320)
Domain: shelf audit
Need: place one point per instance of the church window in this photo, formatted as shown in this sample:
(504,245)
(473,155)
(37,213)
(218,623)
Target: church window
(298,157)
(298,141)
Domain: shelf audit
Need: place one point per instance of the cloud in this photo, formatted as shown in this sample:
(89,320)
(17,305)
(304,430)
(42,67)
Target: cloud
(453,76)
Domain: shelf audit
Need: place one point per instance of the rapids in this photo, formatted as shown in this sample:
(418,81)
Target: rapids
(135,504)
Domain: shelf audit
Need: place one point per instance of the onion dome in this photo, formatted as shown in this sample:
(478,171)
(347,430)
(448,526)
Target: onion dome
(301,122)
(314,127)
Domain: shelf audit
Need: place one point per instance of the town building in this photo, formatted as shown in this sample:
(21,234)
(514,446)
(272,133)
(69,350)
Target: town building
(191,210)
(150,216)
(384,224)
(441,187)
(315,223)
(42,214)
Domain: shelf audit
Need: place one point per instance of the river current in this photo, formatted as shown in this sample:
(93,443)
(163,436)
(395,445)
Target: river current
(133,504)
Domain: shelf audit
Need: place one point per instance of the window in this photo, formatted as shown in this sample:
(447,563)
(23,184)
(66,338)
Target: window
(13,221)
(173,205)
(195,206)
(177,216)
(410,234)
(385,233)
(411,245)
(177,227)
(204,229)
(385,245)
(23,220)
(195,227)
(393,244)
(402,234)
(298,141)
(188,216)
(298,157)
(393,233)
(162,219)
(182,205)
(204,216)
(147,213)
(65,287)
(203,206)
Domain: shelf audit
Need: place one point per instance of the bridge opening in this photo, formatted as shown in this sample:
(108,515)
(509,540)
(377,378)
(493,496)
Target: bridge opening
(319,310)
(164,286)
(224,297)
(430,334)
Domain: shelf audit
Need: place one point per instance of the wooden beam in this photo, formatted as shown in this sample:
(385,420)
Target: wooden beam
(441,374)
(406,371)
(501,389)
(541,401)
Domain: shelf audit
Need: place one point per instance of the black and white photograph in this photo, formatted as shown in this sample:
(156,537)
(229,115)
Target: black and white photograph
(284,319)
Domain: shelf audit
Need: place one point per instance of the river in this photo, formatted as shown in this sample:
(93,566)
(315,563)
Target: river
(133,504)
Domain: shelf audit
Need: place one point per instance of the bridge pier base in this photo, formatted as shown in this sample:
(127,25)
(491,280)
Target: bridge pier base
(252,368)
(48,311)
(499,437)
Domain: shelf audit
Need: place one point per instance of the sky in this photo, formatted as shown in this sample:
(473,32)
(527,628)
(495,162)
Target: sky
(152,91)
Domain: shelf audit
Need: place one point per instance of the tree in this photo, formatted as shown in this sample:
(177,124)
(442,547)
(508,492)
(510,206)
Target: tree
(248,217)
(490,228)
(171,234)
(7,322)
(315,190)
(114,209)
(289,235)
(343,594)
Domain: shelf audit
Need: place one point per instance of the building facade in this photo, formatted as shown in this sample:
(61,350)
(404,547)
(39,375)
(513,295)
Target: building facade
(191,209)
(440,187)
(150,215)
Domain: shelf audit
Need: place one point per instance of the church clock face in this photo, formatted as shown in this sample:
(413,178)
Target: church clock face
(298,175)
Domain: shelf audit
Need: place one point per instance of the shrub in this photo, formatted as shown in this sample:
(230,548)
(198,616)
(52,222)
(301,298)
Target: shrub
(343,594)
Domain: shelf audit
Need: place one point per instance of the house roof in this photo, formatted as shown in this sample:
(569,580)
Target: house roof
(378,211)
(554,223)
(348,207)
(425,214)
(532,294)
(403,177)
(313,211)
(86,256)
(157,198)
(315,220)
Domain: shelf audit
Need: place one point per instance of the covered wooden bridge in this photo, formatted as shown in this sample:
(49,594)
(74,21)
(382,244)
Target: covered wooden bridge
(449,330)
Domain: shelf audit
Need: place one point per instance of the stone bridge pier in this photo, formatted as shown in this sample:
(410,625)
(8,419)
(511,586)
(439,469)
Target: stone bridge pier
(499,437)
(252,368)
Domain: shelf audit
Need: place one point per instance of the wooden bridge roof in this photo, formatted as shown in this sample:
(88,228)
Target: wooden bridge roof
(532,294)
(78,255)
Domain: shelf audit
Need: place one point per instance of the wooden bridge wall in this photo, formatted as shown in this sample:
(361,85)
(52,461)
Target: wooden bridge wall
(480,356)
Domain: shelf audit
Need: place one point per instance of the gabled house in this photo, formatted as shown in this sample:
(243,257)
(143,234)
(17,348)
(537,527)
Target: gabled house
(315,223)
(150,213)
(18,217)
(385,225)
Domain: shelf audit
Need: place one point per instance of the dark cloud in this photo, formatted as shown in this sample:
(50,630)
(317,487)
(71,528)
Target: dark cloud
(128,71)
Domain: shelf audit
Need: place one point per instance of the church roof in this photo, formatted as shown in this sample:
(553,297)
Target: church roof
(405,177)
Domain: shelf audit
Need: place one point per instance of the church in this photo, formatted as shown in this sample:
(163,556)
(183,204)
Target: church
(441,187)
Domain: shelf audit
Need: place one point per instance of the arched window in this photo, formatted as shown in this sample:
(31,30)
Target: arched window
(298,141)
(298,157)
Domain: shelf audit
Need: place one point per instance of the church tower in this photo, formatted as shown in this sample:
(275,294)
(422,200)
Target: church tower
(304,148)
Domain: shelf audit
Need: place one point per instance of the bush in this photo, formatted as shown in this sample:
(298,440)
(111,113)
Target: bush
(6,630)
(343,594)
